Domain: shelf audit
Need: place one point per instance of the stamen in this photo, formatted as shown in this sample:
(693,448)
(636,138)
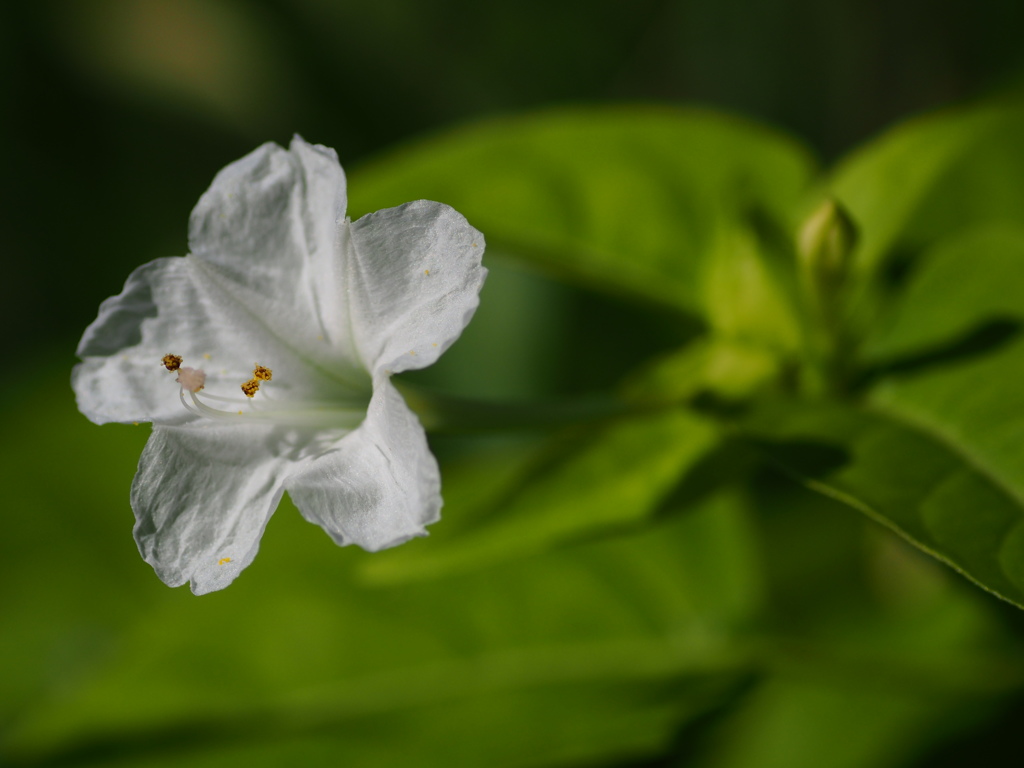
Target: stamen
(171,362)
(316,414)
(192,379)
(312,414)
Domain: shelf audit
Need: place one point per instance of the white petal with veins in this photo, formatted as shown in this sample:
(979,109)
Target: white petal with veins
(416,280)
(279,279)
(202,497)
(379,486)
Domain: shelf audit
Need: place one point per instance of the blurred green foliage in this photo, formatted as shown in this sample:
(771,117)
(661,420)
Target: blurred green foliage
(689,583)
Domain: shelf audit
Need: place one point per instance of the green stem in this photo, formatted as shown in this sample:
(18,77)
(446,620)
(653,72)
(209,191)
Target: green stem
(447,414)
(830,344)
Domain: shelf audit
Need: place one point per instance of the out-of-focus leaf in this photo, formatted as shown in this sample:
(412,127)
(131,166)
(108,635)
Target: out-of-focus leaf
(558,725)
(968,399)
(936,492)
(967,283)
(586,483)
(975,411)
(513,348)
(932,176)
(856,719)
(730,369)
(744,299)
(632,200)
(68,562)
(602,649)
(882,653)
(612,635)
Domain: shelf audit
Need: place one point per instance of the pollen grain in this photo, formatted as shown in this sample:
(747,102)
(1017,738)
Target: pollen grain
(224,561)
(171,362)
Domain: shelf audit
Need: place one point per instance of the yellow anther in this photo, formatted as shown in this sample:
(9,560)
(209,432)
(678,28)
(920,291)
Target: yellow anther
(251,387)
(262,373)
(224,560)
(171,362)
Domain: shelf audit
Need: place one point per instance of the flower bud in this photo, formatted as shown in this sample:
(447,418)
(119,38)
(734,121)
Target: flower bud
(824,249)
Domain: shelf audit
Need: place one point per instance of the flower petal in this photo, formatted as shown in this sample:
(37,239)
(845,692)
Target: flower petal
(416,278)
(268,229)
(202,498)
(161,310)
(380,486)
(169,306)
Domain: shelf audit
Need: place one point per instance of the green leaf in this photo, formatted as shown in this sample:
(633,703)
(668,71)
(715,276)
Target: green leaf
(731,369)
(932,176)
(975,410)
(966,283)
(921,183)
(746,302)
(908,476)
(969,399)
(628,199)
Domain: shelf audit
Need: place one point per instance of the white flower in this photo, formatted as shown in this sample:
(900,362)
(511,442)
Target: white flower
(286,300)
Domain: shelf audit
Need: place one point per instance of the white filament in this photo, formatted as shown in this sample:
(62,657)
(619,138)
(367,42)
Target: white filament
(318,415)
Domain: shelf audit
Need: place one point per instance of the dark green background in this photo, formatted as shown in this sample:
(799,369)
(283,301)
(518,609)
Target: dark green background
(118,113)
